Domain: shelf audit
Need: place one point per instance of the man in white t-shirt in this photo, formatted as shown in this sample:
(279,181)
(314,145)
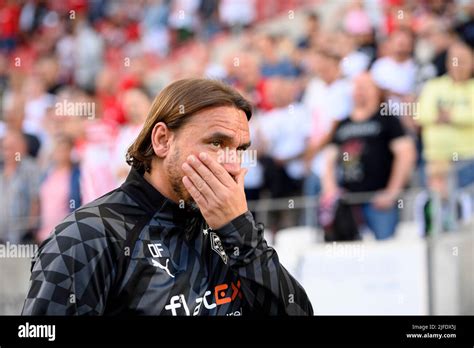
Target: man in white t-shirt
(328,99)
(396,73)
(237,12)
(285,130)
(37,102)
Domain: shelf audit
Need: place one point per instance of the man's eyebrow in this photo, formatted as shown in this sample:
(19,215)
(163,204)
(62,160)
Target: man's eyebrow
(221,136)
(244,146)
(225,137)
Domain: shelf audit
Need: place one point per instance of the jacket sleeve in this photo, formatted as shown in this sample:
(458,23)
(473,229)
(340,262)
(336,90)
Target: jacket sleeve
(266,285)
(72,272)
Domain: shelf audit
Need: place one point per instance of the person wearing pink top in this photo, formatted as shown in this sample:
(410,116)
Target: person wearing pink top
(59,190)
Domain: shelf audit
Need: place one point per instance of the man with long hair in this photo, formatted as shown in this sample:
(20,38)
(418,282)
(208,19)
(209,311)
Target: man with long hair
(176,238)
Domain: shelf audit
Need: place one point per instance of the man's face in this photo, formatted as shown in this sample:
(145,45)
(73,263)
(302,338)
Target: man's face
(460,62)
(364,90)
(12,145)
(401,44)
(221,132)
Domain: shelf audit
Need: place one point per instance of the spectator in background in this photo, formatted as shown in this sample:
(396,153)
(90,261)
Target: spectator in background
(48,71)
(446,211)
(373,154)
(357,33)
(209,15)
(19,183)
(65,52)
(465,29)
(237,13)
(97,177)
(136,105)
(358,26)
(107,91)
(57,122)
(396,73)
(37,101)
(328,99)
(88,54)
(272,64)
(202,63)
(285,132)
(183,19)
(9,14)
(311,31)
(155,37)
(434,39)
(399,14)
(446,114)
(60,187)
(14,112)
(32,15)
(243,72)
(353,61)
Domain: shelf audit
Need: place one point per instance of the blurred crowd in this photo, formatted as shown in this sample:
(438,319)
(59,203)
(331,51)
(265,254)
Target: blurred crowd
(366,101)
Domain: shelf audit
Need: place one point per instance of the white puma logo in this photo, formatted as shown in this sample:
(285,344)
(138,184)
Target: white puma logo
(157,264)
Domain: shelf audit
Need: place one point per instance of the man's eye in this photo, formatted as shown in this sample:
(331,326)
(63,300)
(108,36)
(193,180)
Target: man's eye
(216,143)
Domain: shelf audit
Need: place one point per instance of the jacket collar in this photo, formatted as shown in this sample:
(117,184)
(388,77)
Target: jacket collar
(159,206)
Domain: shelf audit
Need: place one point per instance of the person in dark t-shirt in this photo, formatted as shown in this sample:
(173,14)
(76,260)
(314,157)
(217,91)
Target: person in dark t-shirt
(369,152)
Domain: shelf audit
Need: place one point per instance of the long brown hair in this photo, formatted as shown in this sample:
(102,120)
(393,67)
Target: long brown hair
(174,106)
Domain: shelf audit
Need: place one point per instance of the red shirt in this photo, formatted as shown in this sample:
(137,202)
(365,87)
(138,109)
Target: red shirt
(9,19)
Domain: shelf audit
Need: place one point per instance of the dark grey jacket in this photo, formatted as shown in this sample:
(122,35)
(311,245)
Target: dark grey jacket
(135,252)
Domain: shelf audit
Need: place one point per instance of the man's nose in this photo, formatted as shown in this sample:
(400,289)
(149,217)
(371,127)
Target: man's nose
(232,162)
(232,168)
